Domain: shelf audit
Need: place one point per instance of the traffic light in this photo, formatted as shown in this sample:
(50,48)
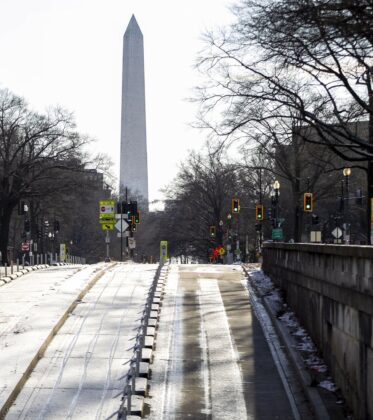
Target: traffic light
(308,202)
(235,205)
(27,226)
(137,217)
(133,227)
(213,232)
(259,212)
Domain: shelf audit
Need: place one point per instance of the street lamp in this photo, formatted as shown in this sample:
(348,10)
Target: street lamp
(276,187)
(346,174)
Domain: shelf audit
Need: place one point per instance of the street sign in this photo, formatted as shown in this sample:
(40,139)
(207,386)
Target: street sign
(107,226)
(107,209)
(106,220)
(277,234)
(121,225)
(164,250)
(131,243)
(315,236)
(221,251)
(62,252)
(121,216)
(337,232)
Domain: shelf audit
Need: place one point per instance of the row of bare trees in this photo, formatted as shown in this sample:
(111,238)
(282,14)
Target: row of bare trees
(43,163)
(286,73)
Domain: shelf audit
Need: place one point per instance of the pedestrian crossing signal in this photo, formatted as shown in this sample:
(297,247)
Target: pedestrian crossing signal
(259,212)
(308,202)
(212,232)
(235,205)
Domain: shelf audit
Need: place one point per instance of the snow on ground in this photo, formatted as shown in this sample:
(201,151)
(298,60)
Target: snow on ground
(30,307)
(304,342)
(83,372)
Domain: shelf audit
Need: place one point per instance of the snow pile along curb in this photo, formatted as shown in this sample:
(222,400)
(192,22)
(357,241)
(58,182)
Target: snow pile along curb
(303,354)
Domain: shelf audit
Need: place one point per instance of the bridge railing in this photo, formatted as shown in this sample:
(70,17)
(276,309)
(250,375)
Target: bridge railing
(330,288)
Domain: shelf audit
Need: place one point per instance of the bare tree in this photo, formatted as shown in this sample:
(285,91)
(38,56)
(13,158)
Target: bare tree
(199,198)
(306,60)
(35,151)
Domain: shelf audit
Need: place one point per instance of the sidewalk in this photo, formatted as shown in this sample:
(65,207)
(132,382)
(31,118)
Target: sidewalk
(25,329)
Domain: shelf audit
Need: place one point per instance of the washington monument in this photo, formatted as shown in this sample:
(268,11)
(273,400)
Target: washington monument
(133,154)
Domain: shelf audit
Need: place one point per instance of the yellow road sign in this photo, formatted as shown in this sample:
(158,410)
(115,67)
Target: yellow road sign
(163,250)
(107,220)
(107,226)
(221,251)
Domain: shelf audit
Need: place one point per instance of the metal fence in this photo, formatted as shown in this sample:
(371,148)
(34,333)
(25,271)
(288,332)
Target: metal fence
(35,260)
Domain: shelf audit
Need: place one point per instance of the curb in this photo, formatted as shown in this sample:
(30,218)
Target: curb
(10,277)
(295,359)
(39,354)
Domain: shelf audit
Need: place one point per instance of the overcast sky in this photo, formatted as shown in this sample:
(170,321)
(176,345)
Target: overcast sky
(69,53)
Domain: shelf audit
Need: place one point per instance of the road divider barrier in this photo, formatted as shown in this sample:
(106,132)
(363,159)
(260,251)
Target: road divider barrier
(138,374)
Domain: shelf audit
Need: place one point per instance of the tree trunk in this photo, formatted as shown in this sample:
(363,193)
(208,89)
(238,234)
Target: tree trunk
(4,232)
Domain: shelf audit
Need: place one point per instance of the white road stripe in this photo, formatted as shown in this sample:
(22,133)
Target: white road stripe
(174,350)
(225,374)
(205,372)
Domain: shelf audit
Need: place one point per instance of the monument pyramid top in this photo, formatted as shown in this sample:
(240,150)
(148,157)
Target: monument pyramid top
(133,27)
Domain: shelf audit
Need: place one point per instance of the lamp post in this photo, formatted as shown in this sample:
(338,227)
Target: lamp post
(221,223)
(276,188)
(229,245)
(346,174)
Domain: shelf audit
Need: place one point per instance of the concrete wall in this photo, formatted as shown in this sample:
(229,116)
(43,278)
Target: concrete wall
(330,288)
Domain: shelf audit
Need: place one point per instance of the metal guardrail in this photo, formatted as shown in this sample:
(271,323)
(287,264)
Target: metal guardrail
(38,259)
(134,370)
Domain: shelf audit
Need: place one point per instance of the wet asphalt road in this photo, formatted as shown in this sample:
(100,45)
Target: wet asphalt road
(212,360)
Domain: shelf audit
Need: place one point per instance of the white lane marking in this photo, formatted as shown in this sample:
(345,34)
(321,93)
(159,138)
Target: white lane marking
(205,373)
(273,343)
(174,368)
(225,375)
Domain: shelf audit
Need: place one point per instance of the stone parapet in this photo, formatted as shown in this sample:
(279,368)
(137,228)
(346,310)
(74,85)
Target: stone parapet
(330,288)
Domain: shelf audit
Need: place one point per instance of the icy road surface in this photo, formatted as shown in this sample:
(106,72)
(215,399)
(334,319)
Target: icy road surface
(82,372)
(212,360)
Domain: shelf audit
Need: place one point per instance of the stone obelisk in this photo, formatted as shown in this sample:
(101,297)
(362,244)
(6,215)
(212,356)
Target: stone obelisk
(133,153)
